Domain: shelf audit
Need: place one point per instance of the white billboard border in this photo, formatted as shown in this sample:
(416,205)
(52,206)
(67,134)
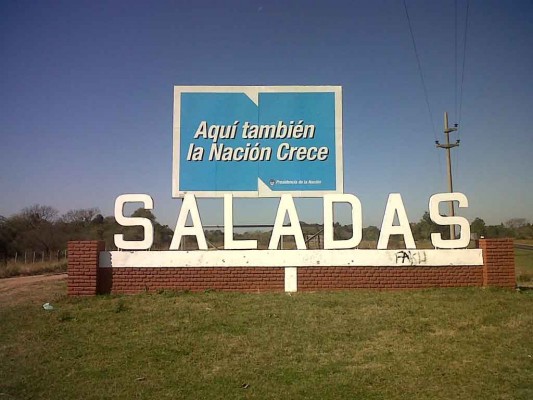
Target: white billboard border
(253,92)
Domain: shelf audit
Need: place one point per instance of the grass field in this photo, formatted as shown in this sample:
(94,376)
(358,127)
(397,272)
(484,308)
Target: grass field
(21,269)
(439,344)
(524,267)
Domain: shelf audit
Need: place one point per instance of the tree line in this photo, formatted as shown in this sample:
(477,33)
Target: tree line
(41,228)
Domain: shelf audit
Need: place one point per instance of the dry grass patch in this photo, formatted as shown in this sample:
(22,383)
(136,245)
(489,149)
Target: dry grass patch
(12,268)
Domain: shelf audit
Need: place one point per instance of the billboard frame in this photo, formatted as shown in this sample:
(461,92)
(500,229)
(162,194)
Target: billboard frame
(253,93)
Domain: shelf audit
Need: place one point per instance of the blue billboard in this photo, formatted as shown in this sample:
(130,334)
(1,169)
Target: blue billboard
(257,141)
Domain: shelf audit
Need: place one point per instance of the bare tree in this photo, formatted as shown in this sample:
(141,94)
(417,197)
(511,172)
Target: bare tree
(36,227)
(515,223)
(37,213)
(82,215)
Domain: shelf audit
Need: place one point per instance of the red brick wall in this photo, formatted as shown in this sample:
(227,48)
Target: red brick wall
(331,278)
(85,278)
(82,267)
(498,262)
(242,279)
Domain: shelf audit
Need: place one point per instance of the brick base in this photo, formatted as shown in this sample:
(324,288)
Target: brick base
(331,278)
(498,262)
(135,280)
(86,278)
(82,267)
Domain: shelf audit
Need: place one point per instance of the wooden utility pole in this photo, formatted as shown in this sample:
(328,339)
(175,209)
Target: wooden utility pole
(448,147)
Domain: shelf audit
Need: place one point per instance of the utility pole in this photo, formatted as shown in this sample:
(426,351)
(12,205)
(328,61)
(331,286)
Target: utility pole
(448,147)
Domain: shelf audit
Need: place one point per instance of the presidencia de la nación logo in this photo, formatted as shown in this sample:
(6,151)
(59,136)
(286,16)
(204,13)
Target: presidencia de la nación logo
(257,141)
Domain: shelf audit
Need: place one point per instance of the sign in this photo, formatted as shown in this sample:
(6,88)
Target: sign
(257,141)
(287,212)
(274,141)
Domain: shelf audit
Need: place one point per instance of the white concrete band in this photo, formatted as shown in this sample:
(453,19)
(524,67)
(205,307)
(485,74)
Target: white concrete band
(290,258)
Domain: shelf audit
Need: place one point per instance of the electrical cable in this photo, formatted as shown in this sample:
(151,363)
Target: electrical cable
(463,69)
(423,86)
(455,64)
(420,71)
(455,154)
(461,88)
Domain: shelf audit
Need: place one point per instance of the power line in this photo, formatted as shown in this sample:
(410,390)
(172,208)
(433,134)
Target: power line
(461,89)
(464,62)
(455,65)
(456,154)
(420,70)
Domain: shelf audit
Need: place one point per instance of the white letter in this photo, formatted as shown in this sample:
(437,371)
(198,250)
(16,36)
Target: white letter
(229,243)
(281,147)
(201,131)
(189,206)
(395,205)
(436,238)
(357,221)
(286,205)
(148,204)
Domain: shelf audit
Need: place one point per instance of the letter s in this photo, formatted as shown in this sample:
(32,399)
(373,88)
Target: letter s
(148,204)
(436,238)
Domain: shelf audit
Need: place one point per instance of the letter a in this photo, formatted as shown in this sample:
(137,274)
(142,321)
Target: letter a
(286,206)
(201,131)
(395,205)
(189,207)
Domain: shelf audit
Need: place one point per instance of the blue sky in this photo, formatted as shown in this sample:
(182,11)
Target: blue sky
(86,92)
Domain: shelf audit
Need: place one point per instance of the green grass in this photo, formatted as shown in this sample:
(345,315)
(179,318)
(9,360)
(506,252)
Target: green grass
(439,344)
(524,266)
(524,241)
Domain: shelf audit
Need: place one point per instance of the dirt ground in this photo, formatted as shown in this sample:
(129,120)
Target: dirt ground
(37,289)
